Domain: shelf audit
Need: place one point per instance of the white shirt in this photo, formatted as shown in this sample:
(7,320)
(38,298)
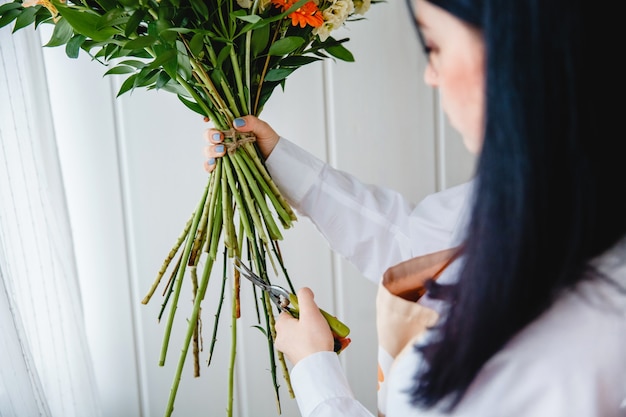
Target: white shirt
(571,362)
(339,206)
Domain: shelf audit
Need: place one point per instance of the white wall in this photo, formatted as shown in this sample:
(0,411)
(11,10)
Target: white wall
(133,172)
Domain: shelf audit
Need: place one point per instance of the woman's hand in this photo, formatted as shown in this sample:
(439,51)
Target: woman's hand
(299,338)
(266,139)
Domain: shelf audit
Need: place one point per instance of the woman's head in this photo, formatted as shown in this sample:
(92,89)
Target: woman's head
(456,65)
(549,178)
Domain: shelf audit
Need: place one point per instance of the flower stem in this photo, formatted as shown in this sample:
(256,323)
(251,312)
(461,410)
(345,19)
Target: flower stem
(192,322)
(241,92)
(167,261)
(249,202)
(180,275)
(233,355)
(259,198)
(229,233)
(256,109)
(218,312)
(206,80)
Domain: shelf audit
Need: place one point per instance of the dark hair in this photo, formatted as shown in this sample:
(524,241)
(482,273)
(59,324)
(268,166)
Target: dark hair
(549,192)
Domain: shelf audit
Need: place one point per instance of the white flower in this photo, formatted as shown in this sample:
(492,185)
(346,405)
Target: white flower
(361,6)
(334,17)
(246,4)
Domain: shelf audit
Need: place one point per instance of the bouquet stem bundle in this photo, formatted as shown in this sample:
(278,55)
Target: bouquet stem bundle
(236,192)
(223,59)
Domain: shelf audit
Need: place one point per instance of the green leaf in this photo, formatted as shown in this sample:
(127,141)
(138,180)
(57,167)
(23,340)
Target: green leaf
(162,80)
(167,58)
(85,23)
(121,69)
(114,17)
(9,6)
(129,4)
(216,76)
(259,41)
(340,52)
(261,329)
(163,58)
(199,6)
(133,22)
(127,85)
(140,42)
(224,53)
(43,16)
(112,50)
(297,61)
(191,105)
(8,17)
(163,28)
(61,34)
(286,45)
(174,87)
(184,65)
(250,18)
(146,77)
(72,49)
(196,44)
(26,18)
(107,4)
(133,63)
(278,74)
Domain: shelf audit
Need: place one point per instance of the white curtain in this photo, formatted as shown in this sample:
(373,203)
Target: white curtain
(45,366)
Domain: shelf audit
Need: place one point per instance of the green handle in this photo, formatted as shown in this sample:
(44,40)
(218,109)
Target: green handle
(336,326)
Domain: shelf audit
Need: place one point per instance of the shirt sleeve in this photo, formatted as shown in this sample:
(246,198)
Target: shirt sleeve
(322,390)
(372,227)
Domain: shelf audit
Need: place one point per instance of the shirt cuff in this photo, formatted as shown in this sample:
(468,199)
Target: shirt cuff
(318,378)
(293,169)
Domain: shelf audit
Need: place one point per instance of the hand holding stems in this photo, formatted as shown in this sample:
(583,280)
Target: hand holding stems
(266,139)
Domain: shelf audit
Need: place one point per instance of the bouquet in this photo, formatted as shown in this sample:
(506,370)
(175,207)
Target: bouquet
(223,59)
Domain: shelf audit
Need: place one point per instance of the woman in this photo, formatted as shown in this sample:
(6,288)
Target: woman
(532,314)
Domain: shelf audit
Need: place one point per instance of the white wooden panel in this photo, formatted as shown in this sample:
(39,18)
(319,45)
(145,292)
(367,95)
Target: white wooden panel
(84,122)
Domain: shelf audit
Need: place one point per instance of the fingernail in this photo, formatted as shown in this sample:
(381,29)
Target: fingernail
(219,148)
(217,137)
(239,122)
(211,161)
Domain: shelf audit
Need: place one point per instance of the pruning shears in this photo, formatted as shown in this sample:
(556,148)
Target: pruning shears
(287,301)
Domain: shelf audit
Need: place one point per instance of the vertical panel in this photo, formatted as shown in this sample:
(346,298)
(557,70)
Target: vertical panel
(85,130)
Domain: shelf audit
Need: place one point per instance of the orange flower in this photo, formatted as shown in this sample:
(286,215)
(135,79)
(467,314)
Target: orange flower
(307,14)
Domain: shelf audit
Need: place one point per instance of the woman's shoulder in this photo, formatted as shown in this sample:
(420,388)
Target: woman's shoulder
(588,321)
(572,358)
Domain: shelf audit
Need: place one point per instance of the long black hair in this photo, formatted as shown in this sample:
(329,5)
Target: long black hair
(549,193)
